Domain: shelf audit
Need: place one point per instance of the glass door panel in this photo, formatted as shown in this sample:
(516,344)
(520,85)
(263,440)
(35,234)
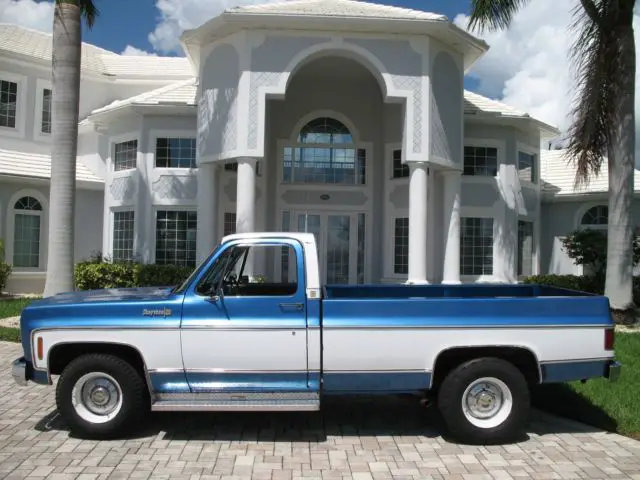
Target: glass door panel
(338,249)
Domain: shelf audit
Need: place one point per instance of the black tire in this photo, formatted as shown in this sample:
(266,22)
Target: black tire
(132,409)
(450,402)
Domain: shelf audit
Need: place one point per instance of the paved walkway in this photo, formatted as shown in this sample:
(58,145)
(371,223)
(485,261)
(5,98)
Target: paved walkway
(359,439)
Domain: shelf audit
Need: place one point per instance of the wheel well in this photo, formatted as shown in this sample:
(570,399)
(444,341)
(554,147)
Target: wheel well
(523,358)
(61,355)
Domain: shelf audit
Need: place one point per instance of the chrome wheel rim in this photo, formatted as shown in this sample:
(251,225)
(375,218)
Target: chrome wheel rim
(487,402)
(97,397)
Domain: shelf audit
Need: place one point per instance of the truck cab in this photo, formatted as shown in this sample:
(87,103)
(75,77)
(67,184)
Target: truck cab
(253,329)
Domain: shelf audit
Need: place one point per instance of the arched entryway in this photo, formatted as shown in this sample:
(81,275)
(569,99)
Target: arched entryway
(324,142)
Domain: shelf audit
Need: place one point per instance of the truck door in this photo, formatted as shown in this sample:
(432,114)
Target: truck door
(241,329)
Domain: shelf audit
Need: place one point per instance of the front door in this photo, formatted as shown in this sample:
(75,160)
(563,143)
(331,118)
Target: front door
(243,330)
(341,244)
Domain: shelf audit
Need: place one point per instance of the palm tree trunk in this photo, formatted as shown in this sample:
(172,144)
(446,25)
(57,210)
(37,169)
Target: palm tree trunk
(619,279)
(67,43)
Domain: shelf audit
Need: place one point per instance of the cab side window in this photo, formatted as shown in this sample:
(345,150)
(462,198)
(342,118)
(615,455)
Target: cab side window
(252,270)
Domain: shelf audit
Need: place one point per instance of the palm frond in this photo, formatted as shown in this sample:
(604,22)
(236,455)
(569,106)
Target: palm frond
(493,14)
(88,10)
(595,60)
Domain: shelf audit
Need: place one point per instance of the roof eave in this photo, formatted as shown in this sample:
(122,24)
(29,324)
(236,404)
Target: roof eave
(544,128)
(473,48)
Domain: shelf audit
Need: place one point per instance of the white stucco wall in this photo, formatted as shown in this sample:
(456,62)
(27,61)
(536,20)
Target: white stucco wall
(88,228)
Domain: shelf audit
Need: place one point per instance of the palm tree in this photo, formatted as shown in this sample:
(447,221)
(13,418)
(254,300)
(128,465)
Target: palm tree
(604,61)
(67,47)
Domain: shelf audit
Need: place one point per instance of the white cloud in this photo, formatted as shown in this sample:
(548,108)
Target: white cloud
(528,64)
(28,13)
(179,15)
(137,52)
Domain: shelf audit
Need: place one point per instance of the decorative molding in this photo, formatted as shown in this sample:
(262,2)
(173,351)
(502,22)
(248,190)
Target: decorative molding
(179,187)
(122,189)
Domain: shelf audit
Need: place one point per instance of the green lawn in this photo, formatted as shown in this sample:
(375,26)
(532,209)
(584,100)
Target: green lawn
(9,334)
(611,406)
(13,307)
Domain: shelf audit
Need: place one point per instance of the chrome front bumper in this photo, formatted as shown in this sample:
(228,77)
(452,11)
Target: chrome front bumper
(613,371)
(19,371)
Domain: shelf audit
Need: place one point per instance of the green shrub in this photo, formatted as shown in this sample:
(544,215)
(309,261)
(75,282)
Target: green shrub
(92,276)
(5,268)
(584,283)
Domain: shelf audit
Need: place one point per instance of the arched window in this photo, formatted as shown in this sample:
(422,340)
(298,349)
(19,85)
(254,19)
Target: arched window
(326,154)
(26,232)
(596,217)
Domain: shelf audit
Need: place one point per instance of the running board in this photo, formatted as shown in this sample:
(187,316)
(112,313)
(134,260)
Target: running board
(238,402)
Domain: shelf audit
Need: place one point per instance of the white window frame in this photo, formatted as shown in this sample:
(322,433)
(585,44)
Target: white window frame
(154,216)
(154,135)
(112,153)
(38,134)
(499,145)
(112,219)
(583,211)
(535,257)
(44,229)
(21,106)
(481,212)
(521,147)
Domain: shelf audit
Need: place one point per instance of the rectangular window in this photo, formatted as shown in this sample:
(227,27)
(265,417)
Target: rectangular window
(231,166)
(26,241)
(325,165)
(229,223)
(285,251)
(175,153)
(125,155)
(8,103)
(481,161)
(400,170)
(176,237)
(527,167)
(401,246)
(476,246)
(123,236)
(255,278)
(525,248)
(45,125)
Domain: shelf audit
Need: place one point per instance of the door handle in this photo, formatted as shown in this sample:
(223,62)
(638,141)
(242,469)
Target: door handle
(292,306)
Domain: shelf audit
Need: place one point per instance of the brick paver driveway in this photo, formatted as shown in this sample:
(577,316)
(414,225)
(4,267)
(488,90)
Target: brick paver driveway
(359,439)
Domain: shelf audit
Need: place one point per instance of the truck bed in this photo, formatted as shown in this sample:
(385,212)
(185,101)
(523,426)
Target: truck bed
(448,291)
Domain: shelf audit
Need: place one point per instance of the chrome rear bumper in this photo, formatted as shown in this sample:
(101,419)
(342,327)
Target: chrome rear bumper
(19,371)
(613,371)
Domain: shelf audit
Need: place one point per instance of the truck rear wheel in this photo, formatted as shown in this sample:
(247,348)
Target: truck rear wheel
(485,400)
(101,396)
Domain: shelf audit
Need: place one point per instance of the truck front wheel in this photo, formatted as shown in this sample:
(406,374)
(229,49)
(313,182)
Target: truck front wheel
(485,400)
(101,396)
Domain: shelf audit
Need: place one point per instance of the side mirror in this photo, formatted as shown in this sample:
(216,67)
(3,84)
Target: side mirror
(218,295)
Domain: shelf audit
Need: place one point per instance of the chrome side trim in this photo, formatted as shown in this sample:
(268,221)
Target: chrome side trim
(224,370)
(577,360)
(162,406)
(457,327)
(236,396)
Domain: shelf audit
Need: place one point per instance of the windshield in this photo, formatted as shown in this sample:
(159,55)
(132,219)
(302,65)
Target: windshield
(180,289)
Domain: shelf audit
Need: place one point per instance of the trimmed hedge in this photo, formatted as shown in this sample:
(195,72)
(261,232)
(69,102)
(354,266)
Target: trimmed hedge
(98,275)
(583,283)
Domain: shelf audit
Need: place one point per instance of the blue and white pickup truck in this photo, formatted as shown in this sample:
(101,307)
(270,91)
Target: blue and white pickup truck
(229,338)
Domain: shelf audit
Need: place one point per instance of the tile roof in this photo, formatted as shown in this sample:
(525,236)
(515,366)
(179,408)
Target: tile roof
(336,8)
(33,43)
(474,103)
(25,41)
(183,92)
(21,164)
(558,174)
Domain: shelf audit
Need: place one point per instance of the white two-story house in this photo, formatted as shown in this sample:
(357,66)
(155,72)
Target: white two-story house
(338,117)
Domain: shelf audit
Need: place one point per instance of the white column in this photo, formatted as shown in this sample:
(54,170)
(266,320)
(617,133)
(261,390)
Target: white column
(418,223)
(207,209)
(452,186)
(246,196)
